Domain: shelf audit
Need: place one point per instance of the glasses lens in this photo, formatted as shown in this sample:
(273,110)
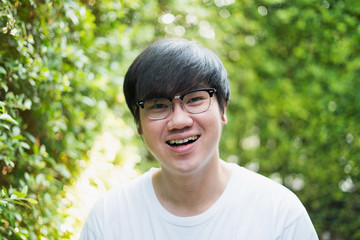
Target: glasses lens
(197,102)
(157,108)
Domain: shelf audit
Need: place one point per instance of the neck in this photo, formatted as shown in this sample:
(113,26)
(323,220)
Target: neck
(189,195)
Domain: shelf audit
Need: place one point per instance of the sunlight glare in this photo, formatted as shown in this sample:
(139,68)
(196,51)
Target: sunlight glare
(100,173)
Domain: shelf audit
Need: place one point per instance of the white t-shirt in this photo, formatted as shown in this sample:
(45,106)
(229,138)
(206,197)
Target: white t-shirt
(251,207)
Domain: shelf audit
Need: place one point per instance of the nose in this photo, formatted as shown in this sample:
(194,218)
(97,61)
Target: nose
(180,118)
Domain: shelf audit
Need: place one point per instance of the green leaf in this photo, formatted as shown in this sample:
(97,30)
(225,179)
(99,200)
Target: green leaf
(4,191)
(31,201)
(4,86)
(25,189)
(25,145)
(8,118)
(4,126)
(2,70)
(17,194)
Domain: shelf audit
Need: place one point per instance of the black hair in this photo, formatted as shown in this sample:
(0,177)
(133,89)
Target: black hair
(172,66)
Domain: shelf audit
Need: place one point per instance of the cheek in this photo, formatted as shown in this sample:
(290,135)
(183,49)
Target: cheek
(149,139)
(151,132)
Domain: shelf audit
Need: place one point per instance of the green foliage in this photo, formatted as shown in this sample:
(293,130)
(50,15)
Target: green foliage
(48,116)
(295,103)
(293,114)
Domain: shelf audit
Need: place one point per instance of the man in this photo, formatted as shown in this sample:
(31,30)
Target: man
(178,92)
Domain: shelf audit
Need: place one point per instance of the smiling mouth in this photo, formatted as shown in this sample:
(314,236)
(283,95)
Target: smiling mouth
(182,142)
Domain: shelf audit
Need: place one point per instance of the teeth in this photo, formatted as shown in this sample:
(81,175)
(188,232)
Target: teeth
(181,141)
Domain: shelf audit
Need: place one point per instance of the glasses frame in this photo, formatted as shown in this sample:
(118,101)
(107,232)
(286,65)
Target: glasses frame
(210,91)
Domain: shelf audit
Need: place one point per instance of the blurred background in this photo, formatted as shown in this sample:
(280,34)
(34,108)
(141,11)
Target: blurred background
(66,135)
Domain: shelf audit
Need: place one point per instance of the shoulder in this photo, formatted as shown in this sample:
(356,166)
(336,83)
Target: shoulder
(257,183)
(116,204)
(266,193)
(270,200)
(126,193)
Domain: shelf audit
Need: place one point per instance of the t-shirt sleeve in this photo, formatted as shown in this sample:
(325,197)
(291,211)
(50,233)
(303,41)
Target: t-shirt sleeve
(301,228)
(88,234)
(92,229)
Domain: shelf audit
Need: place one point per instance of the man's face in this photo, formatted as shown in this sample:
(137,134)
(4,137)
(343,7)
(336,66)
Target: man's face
(183,142)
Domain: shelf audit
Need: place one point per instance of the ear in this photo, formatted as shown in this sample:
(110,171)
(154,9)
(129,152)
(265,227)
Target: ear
(223,117)
(139,129)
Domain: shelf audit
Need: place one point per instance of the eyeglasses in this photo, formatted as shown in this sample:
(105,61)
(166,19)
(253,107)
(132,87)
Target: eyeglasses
(195,101)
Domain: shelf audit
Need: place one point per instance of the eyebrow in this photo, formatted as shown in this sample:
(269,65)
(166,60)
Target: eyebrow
(197,86)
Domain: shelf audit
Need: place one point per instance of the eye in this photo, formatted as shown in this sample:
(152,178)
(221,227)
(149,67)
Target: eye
(157,104)
(195,100)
